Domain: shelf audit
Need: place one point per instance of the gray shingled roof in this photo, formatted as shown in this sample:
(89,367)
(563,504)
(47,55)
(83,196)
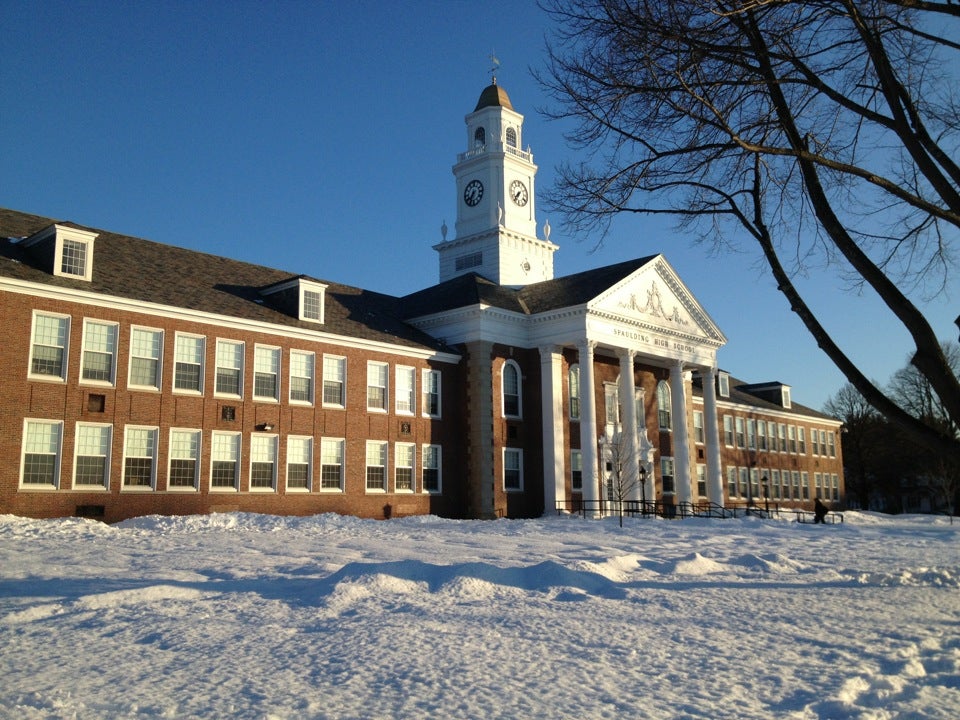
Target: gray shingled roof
(137,269)
(473,289)
(739,393)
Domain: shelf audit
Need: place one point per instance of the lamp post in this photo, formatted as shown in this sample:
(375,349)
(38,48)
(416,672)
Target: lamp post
(642,474)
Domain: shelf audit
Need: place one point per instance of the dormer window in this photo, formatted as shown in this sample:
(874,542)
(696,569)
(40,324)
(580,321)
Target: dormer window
(311,301)
(723,383)
(300,297)
(70,250)
(785,396)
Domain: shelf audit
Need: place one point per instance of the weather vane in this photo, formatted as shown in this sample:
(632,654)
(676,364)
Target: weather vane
(495,62)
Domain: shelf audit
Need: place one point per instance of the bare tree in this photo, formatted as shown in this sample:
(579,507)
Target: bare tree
(621,470)
(826,130)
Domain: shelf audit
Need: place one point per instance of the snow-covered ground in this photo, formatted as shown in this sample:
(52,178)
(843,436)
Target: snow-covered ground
(254,616)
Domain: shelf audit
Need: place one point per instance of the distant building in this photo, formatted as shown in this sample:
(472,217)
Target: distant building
(146,378)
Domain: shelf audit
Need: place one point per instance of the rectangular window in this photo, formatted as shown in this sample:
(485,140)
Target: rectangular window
(814,442)
(406,387)
(404,454)
(831,444)
(576,471)
(376,386)
(331,464)
(772,436)
(301,376)
(41,453)
(698,434)
(146,347)
(188,362)
(73,259)
(732,481)
(752,434)
(184,471)
(805,484)
(311,305)
(818,485)
(431,469)
(783,437)
(574,377)
(334,377)
(512,469)
(224,461)
(92,465)
(48,355)
(299,462)
(266,373)
(801,441)
(140,457)
(796,484)
(742,488)
(99,351)
(263,462)
(376,465)
(762,434)
(229,368)
(728,431)
(775,484)
(792,434)
(702,480)
(835,486)
(666,475)
(723,383)
(741,433)
(431,393)
(754,482)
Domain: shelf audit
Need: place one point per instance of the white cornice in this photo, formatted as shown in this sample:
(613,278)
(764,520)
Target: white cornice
(757,410)
(22,287)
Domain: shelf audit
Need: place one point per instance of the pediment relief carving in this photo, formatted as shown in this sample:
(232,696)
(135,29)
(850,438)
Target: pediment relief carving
(653,306)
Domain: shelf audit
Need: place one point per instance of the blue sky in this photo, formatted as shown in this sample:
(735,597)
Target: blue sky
(318,137)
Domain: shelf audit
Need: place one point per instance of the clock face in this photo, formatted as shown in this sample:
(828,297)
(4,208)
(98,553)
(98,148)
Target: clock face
(518,193)
(473,193)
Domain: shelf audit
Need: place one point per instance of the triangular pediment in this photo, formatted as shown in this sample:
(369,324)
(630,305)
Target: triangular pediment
(654,298)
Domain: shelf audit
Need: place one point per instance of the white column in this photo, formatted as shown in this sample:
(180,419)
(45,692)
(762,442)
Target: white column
(588,427)
(628,417)
(712,430)
(554,465)
(681,440)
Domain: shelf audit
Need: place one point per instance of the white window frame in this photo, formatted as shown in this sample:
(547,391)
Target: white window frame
(723,384)
(55,452)
(378,378)
(429,380)
(159,359)
(574,382)
(219,365)
(332,449)
(664,406)
(197,342)
(405,390)
(512,364)
(264,450)
(668,469)
(303,365)
(129,432)
(801,440)
(732,487)
(275,362)
(740,432)
(401,449)
(175,451)
(83,238)
(702,481)
(379,451)
(63,347)
(431,458)
(729,437)
(79,447)
(576,470)
(762,435)
(218,443)
(300,452)
(831,444)
(518,454)
(308,289)
(699,435)
(113,335)
(338,363)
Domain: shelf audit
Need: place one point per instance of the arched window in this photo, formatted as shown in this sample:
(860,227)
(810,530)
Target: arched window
(511,137)
(574,392)
(511,389)
(479,138)
(663,405)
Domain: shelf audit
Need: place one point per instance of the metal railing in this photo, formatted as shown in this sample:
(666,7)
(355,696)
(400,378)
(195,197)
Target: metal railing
(669,510)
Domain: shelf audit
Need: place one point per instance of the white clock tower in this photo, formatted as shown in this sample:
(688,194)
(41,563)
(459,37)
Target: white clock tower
(496,231)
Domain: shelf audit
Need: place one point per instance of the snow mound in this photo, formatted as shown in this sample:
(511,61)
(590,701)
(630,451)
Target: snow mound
(696,564)
(773,563)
